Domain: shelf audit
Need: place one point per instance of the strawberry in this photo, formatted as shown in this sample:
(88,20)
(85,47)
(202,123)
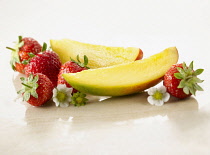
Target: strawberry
(181,81)
(47,63)
(36,89)
(72,66)
(23,51)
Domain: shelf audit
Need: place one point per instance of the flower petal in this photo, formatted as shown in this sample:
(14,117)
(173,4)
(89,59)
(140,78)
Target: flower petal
(55,92)
(166,97)
(152,90)
(59,86)
(62,87)
(65,90)
(55,100)
(69,90)
(150,100)
(64,105)
(159,102)
(162,89)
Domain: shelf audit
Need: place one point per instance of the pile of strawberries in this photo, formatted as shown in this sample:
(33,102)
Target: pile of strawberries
(43,70)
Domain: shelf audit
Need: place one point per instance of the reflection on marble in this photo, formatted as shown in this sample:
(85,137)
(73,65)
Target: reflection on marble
(112,110)
(102,110)
(106,123)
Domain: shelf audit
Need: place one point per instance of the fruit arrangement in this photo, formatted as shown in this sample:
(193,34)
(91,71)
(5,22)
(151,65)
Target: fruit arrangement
(71,69)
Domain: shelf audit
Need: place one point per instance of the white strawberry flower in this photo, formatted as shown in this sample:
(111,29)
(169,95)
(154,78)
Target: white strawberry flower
(62,95)
(158,96)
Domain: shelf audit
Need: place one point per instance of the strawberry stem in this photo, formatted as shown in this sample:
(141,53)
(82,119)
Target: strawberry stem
(44,47)
(20,39)
(85,61)
(26,85)
(10,48)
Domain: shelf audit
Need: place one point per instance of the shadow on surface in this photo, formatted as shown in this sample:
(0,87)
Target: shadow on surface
(101,111)
(105,110)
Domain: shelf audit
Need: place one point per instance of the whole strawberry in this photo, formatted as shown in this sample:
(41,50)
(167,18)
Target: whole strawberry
(36,89)
(181,81)
(24,49)
(72,67)
(47,63)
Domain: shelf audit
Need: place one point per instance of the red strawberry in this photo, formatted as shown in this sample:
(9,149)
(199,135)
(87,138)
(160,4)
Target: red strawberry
(72,67)
(181,81)
(37,89)
(47,63)
(24,49)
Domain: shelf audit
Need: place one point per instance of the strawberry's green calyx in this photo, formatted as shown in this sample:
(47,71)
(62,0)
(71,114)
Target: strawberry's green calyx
(15,52)
(82,64)
(31,55)
(14,58)
(44,47)
(25,62)
(189,80)
(20,43)
(29,86)
(79,99)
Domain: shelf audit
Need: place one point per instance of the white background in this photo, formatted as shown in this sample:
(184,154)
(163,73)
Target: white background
(151,25)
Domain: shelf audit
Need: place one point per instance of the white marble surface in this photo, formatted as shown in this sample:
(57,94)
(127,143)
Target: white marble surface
(122,125)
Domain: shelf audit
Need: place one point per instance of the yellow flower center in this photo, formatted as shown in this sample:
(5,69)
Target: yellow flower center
(157,95)
(79,100)
(61,96)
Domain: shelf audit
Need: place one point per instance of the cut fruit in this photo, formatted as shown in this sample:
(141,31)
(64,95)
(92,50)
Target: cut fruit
(98,55)
(124,79)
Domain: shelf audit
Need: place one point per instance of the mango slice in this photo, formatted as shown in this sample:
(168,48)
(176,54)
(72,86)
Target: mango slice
(98,55)
(124,79)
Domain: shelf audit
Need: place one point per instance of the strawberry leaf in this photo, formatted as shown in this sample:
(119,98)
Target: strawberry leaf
(25,62)
(197,80)
(35,79)
(192,90)
(178,75)
(34,94)
(15,52)
(20,39)
(189,78)
(26,96)
(184,66)
(197,87)
(82,64)
(186,90)
(29,86)
(31,55)
(191,66)
(44,47)
(181,84)
(85,60)
(181,71)
(198,72)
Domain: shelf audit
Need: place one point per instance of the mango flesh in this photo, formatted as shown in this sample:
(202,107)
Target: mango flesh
(98,55)
(126,78)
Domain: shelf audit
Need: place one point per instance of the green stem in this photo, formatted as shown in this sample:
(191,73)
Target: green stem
(26,85)
(20,39)
(44,47)
(10,48)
